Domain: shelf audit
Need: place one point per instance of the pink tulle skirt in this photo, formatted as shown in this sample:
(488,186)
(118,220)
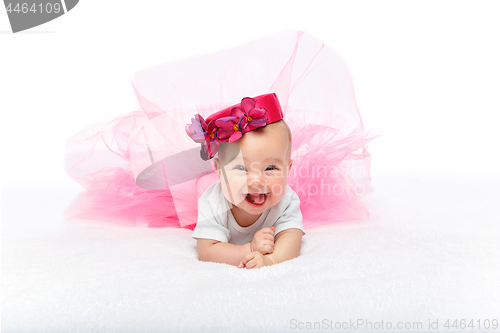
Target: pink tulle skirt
(142,168)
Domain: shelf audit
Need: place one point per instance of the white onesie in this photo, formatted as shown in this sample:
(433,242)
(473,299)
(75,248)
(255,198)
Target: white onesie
(216,221)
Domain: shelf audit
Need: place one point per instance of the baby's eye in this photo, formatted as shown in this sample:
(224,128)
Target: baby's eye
(240,167)
(271,167)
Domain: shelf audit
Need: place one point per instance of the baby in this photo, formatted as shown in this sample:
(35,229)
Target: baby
(251,218)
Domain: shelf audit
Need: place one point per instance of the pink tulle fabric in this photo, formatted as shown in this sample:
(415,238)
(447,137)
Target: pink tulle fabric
(142,169)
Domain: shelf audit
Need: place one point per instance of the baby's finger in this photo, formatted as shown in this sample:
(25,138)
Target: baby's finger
(269,237)
(268,249)
(249,256)
(268,242)
(251,264)
(264,244)
(267,230)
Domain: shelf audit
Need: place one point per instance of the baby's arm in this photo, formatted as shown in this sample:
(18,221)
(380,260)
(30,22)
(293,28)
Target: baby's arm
(286,246)
(226,253)
(263,240)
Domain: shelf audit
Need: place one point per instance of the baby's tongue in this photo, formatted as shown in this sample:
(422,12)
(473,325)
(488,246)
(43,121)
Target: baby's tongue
(258,199)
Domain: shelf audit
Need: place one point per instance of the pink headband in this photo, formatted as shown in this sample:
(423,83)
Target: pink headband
(229,124)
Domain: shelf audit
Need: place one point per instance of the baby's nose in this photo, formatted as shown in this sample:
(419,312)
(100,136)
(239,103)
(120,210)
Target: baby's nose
(255,180)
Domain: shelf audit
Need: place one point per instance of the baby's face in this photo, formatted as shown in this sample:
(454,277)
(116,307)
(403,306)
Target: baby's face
(256,179)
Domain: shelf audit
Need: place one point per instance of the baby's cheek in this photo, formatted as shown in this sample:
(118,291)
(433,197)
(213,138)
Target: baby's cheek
(278,189)
(236,180)
(239,183)
(233,190)
(225,191)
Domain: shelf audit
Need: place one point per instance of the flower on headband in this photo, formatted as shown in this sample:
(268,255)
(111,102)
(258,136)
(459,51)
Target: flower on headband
(210,144)
(200,132)
(256,117)
(197,129)
(242,119)
(208,149)
(231,128)
(203,133)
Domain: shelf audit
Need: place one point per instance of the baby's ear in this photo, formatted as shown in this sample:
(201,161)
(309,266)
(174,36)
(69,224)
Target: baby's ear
(290,166)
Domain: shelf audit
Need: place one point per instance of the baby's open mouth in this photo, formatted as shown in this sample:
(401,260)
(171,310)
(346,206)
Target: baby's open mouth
(256,199)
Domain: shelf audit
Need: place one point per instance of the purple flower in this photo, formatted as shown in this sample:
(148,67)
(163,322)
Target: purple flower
(197,130)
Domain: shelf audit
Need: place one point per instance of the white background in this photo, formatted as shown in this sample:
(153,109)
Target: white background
(425,72)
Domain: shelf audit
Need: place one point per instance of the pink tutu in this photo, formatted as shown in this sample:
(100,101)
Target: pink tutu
(142,169)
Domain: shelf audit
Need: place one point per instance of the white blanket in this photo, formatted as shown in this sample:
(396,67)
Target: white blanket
(429,253)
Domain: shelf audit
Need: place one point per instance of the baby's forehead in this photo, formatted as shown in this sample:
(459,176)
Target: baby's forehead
(272,137)
(274,132)
(272,140)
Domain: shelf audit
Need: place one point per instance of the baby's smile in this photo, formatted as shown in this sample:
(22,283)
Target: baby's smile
(256,198)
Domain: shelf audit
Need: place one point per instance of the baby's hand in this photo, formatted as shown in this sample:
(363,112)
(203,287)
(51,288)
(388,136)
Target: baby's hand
(263,240)
(254,259)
